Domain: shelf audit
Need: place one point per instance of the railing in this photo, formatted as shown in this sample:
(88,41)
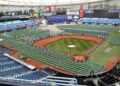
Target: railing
(21,62)
(62,81)
(48,81)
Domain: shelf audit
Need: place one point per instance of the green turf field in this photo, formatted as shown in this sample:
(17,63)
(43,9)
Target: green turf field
(105,52)
(81,46)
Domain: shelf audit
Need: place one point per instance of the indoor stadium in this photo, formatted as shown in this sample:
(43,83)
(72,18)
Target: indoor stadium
(59,42)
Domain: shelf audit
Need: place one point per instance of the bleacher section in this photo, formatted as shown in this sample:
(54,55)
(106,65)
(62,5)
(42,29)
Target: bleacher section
(94,20)
(11,69)
(21,62)
(13,25)
(115,40)
(82,32)
(55,59)
(86,20)
(100,21)
(14,73)
(28,35)
(88,30)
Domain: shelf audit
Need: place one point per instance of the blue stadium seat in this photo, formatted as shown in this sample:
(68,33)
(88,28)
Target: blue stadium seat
(94,20)
(103,21)
(17,24)
(34,75)
(57,19)
(12,69)
(86,20)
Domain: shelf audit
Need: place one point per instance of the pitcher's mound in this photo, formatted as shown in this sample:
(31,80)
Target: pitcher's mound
(71,46)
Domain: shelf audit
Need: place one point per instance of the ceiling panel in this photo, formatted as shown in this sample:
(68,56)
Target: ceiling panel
(44,2)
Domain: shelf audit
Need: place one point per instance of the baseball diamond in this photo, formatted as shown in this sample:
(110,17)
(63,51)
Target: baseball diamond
(72,52)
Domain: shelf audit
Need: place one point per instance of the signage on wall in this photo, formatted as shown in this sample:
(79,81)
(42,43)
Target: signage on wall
(81,11)
(48,14)
(47,9)
(89,11)
(72,13)
(52,8)
(61,11)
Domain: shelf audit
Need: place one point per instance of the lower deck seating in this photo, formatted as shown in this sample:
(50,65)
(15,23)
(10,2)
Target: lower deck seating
(35,75)
(86,32)
(11,69)
(115,40)
(56,59)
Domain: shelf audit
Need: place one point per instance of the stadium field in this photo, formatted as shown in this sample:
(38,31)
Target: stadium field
(106,52)
(72,46)
(34,45)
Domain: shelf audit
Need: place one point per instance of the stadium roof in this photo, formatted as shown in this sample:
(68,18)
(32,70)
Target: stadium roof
(44,2)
